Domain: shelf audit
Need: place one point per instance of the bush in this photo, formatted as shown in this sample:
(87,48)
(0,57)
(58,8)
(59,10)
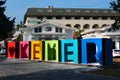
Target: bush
(19,38)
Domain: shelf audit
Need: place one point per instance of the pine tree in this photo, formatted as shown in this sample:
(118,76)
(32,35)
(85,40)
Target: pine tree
(20,25)
(116,7)
(6,25)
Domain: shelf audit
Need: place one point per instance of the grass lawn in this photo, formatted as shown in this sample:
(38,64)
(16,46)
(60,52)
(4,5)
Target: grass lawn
(114,70)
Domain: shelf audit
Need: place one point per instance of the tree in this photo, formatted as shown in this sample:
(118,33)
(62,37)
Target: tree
(19,38)
(20,25)
(6,25)
(77,35)
(116,7)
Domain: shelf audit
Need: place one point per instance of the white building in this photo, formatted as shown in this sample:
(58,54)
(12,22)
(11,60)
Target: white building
(47,31)
(80,18)
(91,21)
(104,33)
(96,33)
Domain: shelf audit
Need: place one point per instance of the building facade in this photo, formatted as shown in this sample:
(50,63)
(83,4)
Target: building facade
(82,19)
(93,22)
(104,33)
(47,31)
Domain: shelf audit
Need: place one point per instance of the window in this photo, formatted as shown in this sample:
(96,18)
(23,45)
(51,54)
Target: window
(86,18)
(87,11)
(95,18)
(104,18)
(49,10)
(104,25)
(95,11)
(40,30)
(58,17)
(59,10)
(56,29)
(49,17)
(68,10)
(95,26)
(39,10)
(113,11)
(77,17)
(104,11)
(68,17)
(36,30)
(77,11)
(86,26)
(68,25)
(48,29)
(113,18)
(60,30)
(77,26)
(39,17)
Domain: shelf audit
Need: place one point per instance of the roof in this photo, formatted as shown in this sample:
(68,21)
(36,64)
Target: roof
(104,29)
(50,23)
(43,12)
(95,30)
(70,12)
(111,34)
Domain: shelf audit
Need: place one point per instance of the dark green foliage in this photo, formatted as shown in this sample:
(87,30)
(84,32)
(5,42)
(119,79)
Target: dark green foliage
(19,38)
(19,25)
(6,25)
(78,34)
(116,25)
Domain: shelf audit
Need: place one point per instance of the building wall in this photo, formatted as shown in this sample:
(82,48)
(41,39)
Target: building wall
(69,34)
(89,23)
(82,23)
(27,36)
(56,32)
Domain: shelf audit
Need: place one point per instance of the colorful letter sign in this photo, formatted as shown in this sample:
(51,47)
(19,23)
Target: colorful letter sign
(76,51)
(36,50)
(69,51)
(23,49)
(93,50)
(11,50)
(51,50)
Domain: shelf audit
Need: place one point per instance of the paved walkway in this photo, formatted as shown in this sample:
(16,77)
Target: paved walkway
(15,69)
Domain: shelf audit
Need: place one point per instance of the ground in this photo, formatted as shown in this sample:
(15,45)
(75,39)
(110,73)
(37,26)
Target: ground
(113,70)
(20,69)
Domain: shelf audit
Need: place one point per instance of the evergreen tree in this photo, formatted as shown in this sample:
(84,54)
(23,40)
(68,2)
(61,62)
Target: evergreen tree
(116,7)
(20,25)
(6,25)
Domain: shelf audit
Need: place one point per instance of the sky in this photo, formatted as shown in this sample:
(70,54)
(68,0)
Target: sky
(18,8)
